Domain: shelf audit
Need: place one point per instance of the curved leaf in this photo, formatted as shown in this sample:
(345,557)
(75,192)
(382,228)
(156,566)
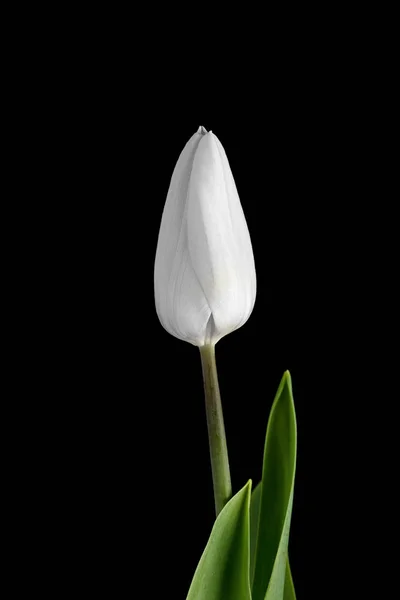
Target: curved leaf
(270,554)
(223,570)
(289,593)
(254,517)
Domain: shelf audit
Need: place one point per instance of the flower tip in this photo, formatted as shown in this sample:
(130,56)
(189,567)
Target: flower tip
(202,130)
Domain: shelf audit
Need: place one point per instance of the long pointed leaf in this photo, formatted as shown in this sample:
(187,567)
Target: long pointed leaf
(289,593)
(223,570)
(276,497)
(254,519)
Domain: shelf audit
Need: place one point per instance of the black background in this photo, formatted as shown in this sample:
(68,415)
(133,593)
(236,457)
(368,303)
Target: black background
(123,479)
(139,482)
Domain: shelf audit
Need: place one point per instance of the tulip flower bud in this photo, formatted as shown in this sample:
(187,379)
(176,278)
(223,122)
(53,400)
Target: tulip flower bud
(204,276)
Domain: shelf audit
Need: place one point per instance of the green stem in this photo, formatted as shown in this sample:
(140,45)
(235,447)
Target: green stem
(216,430)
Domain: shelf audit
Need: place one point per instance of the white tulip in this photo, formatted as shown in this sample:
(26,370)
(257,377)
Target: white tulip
(204,276)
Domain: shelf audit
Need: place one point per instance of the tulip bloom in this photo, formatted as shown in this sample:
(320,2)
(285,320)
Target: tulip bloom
(204,277)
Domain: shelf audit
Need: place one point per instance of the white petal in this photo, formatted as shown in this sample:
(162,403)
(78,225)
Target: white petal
(180,302)
(188,306)
(218,238)
(241,234)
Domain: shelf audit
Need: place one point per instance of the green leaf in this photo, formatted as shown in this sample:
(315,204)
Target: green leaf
(289,593)
(270,570)
(254,516)
(223,570)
